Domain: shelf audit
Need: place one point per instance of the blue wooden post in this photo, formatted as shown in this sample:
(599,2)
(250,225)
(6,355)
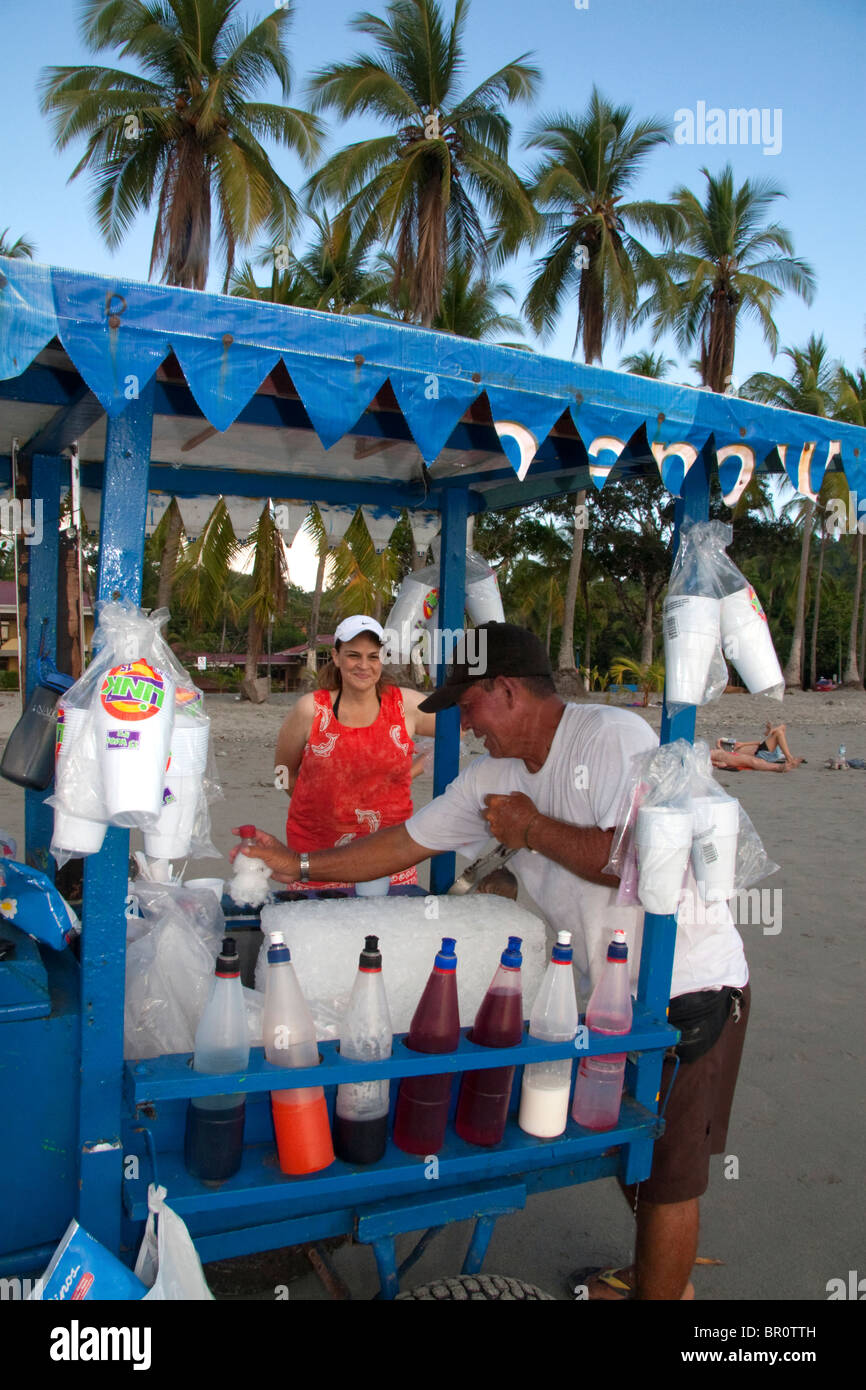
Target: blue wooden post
(659,932)
(103,941)
(41,603)
(452,601)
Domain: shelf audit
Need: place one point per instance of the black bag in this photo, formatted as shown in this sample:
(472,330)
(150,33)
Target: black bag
(700,1018)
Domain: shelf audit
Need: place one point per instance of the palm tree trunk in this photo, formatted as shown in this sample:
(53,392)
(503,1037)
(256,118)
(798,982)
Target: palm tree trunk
(587,645)
(647,634)
(313,633)
(793,672)
(168,559)
(549,622)
(852,673)
(566,644)
(813,650)
(69,654)
(254,646)
(223,638)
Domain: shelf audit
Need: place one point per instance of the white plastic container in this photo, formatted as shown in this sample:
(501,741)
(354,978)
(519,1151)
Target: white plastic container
(598,1089)
(715,829)
(547,1085)
(361,1125)
(746,641)
(72,836)
(691,636)
(663,842)
(289,1036)
(134,717)
(213,1144)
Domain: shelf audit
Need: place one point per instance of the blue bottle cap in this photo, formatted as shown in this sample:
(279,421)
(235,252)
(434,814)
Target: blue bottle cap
(446,958)
(618,948)
(278,951)
(562,954)
(511,955)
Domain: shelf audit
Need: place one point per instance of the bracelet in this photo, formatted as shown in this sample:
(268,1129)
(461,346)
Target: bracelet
(533,817)
(304,868)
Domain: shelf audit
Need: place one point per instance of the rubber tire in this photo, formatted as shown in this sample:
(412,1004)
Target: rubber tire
(484,1288)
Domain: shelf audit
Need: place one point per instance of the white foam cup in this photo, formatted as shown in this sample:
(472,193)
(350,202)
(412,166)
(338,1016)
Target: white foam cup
(663,840)
(189,745)
(714,846)
(214,885)
(373,888)
(134,717)
(75,836)
(746,640)
(691,634)
(171,836)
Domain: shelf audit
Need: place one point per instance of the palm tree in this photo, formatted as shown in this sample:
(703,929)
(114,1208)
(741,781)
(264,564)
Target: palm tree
(589,162)
(470,305)
(835,488)
(186,132)
(647,363)
(420,187)
(851,406)
(362,579)
(809,389)
(335,273)
(19,250)
(270,585)
(726,262)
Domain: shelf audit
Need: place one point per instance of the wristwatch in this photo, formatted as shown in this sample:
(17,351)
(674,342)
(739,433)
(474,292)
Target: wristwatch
(304,862)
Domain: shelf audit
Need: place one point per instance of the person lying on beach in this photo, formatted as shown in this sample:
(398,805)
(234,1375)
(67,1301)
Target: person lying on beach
(770,754)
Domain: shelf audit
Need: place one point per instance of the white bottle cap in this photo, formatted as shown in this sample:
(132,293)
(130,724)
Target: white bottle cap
(276,938)
(563,938)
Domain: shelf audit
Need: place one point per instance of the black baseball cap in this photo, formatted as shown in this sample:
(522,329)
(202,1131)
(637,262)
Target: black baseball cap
(493,649)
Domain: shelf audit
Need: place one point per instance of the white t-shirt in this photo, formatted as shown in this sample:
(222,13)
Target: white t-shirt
(584,778)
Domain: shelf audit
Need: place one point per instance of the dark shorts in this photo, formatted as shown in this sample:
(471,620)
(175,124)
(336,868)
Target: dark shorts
(696,1116)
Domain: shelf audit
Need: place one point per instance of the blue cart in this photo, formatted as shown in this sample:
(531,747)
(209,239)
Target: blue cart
(172,392)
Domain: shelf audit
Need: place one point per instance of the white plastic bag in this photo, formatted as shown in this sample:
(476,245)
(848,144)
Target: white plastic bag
(167,1261)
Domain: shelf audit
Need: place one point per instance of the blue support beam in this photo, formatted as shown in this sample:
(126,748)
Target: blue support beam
(449,619)
(46,480)
(70,422)
(659,932)
(103,943)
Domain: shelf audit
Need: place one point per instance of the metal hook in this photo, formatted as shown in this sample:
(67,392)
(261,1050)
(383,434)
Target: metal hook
(114,314)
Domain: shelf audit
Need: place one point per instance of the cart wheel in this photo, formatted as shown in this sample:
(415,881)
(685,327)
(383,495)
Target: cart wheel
(485,1288)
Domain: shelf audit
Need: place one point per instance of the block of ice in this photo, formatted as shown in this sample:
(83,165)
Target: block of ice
(326,938)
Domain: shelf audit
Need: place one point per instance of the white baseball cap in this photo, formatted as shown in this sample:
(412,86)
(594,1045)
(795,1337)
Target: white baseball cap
(350,627)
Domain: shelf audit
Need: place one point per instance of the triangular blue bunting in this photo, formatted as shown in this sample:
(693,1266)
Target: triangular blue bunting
(523,421)
(432,404)
(222,376)
(27,317)
(335,394)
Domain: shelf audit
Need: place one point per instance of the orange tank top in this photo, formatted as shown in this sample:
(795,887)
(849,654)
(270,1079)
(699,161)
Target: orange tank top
(352,782)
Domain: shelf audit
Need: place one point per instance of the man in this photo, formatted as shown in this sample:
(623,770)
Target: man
(552,787)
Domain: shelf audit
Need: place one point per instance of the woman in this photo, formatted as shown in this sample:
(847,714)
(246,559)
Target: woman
(348,749)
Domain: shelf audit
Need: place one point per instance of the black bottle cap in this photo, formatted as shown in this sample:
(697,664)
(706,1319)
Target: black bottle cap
(228,960)
(371,956)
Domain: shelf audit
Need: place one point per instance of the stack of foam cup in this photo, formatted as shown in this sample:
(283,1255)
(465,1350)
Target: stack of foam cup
(691,632)
(663,840)
(714,846)
(72,835)
(134,716)
(746,640)
(171,837)
(373,888)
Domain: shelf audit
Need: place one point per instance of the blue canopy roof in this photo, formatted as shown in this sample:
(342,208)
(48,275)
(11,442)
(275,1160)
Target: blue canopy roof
(328,381)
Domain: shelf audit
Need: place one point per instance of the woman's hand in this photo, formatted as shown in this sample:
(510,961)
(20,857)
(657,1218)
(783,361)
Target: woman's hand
(282,861)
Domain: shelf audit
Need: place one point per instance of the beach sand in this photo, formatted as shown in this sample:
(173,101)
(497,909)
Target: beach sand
(784,1212)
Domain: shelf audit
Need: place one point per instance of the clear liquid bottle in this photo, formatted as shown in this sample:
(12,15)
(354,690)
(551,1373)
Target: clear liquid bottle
(423,1101)
(598,1089)
(361,1117)
(300,1116)
(547,1085)
(484,1095)
(214,1140)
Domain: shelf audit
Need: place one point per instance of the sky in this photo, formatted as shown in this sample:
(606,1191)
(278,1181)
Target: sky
(798,62)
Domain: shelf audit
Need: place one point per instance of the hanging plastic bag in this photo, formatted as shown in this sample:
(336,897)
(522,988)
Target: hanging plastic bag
(133,712)
(650,849)
(710,613)
(168,1262)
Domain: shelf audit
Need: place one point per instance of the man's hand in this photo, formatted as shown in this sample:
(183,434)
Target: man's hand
(282,861)
(508,817)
